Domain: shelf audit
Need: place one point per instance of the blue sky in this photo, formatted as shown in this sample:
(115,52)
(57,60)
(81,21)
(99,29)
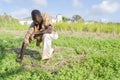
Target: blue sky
(107,10)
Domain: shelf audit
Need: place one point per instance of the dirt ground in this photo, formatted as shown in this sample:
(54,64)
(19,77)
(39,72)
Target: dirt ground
(79,34)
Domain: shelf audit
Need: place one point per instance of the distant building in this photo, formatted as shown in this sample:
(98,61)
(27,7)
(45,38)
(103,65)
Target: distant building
(89,22)
(25,21)
(28,21)
(69,21)
(54,20)
(59,18)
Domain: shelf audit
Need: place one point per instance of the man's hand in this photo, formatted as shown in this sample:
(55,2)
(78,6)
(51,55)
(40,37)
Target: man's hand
(38,33)
(48,30)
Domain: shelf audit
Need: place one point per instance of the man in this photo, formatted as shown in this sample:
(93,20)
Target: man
(46,36)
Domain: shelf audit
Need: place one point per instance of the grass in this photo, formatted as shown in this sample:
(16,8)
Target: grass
(90,27)
(75,58)
(9,23)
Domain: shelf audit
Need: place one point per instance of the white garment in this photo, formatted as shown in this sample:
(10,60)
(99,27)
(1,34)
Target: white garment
(47,44)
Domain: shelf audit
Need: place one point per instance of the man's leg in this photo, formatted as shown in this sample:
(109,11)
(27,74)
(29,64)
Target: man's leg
(38,40)
(47,49)
(47,44)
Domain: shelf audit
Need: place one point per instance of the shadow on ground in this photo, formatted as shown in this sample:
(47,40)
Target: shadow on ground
(32,53)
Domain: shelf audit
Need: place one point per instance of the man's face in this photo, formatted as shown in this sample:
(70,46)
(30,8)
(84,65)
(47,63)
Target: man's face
(37,19)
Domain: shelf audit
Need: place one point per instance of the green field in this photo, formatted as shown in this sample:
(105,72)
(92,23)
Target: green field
(75,58)
(9,23)
(82,52)
(90,27)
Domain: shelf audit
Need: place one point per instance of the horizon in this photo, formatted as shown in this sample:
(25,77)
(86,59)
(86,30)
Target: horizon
(107,10)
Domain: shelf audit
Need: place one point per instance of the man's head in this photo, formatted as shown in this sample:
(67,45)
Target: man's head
(36,16)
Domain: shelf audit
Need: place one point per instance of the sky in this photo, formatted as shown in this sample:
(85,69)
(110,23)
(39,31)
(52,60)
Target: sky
(105,10)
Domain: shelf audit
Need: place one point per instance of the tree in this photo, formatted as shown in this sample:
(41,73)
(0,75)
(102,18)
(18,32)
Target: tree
(64,19)
(76,18)
(5,18)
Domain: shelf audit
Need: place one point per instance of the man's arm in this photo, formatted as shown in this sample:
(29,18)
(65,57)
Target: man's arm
(48,30)
(25,43)
(29,32)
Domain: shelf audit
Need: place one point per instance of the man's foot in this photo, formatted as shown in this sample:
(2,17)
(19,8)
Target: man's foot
(37,44)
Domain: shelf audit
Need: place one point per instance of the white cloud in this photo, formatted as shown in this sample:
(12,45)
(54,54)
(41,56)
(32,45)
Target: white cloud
(76,3)
(40,2)
(106,7)
(21,13)
(8,1)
